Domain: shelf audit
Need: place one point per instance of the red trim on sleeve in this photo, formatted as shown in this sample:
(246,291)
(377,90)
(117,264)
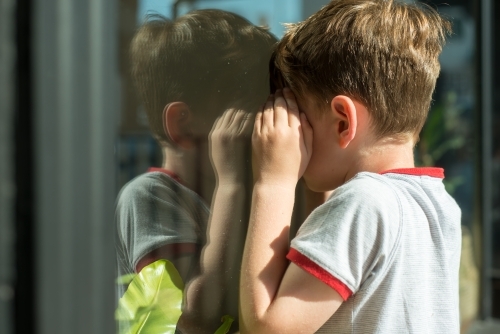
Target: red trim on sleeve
(165,171)
(419,171)
(312,268)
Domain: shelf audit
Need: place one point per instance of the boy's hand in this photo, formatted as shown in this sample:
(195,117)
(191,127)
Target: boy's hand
(228,144)
(281,141)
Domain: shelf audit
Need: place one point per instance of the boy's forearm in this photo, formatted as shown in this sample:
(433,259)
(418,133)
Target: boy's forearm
(206,295)
(225,224)
(264,258)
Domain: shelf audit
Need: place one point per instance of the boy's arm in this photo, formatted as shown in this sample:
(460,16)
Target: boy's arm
(275,296)
(208,296)
(215,292)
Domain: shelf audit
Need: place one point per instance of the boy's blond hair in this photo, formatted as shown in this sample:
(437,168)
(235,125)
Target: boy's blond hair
(381,52)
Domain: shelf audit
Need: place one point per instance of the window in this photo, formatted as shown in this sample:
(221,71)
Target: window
(84,133)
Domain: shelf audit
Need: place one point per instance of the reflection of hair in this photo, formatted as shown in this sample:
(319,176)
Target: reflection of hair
(210,59)
(381,52)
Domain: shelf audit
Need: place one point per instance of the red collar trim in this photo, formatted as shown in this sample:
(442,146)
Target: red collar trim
(165,171)
(419,171)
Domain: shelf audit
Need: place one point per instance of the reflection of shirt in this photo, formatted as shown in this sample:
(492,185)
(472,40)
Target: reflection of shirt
(390,246)
(154,210)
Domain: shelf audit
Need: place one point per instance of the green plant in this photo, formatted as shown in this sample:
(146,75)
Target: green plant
(152,303)
(227,321)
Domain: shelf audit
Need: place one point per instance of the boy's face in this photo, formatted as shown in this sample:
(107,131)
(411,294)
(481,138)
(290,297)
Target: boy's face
(325,170)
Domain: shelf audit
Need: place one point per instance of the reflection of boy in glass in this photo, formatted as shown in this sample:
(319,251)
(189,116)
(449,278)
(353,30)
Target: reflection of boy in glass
(188,72)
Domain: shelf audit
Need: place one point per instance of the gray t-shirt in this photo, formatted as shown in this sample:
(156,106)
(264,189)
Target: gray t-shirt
(154,210)
(389,244)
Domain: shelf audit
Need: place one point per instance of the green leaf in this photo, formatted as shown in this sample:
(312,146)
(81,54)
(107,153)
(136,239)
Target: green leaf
(152,302)
(125,279)
(226,325)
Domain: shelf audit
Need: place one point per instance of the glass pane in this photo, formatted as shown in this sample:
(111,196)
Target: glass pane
(186,78)
(190,73)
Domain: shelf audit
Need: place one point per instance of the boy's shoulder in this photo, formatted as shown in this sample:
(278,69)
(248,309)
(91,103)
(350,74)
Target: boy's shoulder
(398,194)
(368,189)
(146,183)
(366,197)
(392,184)
(154,186)
(155,201)
(386,197)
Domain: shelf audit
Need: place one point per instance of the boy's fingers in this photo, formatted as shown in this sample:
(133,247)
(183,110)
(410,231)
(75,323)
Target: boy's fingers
(231,117)
(224,118)
(245,123)
(293,108)
(291,101)
(258,122)
(215,127)
(280,108)
(220,122)
(217,123)
(237,118)
(268,113)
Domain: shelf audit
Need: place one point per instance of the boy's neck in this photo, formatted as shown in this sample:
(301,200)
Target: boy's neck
(181,163)
(193,168)
(383,155)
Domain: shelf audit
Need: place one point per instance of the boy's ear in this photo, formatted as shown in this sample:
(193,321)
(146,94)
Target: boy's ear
(177,122)
(346,120)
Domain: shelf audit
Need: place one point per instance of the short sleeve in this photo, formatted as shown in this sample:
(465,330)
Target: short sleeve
(156,211)
(351,237)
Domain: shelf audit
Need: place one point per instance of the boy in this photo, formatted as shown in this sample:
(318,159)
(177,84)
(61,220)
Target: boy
(382,254)
(188,72)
